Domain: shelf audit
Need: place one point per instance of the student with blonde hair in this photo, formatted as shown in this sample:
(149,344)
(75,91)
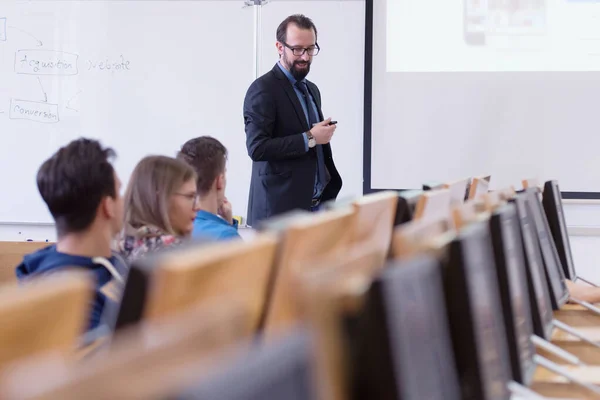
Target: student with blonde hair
(161,202)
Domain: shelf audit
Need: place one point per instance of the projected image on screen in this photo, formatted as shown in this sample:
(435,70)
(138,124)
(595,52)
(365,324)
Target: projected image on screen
(492,35)
(502,17)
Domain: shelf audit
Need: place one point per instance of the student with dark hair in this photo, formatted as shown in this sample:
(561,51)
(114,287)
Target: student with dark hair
(208,157)
(81,189)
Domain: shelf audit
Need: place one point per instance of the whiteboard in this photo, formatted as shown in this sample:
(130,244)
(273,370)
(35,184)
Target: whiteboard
(141,76)
(145,76)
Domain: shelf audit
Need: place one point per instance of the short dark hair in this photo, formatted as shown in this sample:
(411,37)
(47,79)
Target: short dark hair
(207,156)
(74,181)
(300,20)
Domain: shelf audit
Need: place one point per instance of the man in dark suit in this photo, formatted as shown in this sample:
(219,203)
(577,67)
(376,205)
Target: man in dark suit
(286,134)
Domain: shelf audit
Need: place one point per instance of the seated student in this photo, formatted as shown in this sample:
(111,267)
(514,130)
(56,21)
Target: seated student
(81,189)
(160,206)
(208,158)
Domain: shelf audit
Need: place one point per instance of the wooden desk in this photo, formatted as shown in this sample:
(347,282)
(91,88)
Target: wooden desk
(551,385)
(585,352)
(577,316)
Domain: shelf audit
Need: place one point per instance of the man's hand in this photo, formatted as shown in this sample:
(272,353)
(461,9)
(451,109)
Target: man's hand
(322,132)
(225,211)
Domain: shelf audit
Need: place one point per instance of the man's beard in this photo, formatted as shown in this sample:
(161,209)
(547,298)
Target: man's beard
(298,74)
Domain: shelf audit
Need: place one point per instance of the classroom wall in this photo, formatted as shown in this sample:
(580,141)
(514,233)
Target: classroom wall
(583,218)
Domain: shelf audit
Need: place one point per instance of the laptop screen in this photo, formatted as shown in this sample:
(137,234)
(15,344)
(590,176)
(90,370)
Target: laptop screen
(558,289)
(541,305)
(415,318)
(277,370)
(552,201)
(476,318)
(512,279)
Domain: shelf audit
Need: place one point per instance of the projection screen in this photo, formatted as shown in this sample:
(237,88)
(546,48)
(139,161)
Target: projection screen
(463,88)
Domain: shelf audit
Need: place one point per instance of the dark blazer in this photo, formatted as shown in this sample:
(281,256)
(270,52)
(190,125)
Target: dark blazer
(283,172)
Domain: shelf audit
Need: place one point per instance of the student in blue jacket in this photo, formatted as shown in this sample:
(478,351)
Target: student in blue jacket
(82,192)
(208,157)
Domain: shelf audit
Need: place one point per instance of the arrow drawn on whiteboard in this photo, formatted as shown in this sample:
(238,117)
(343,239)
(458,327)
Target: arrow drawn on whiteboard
(71,99)
(40,44)
(43,91)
